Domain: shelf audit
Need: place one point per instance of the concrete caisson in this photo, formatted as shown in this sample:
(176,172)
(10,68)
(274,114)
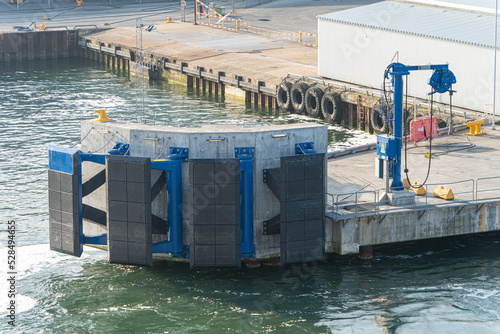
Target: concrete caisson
(209,143)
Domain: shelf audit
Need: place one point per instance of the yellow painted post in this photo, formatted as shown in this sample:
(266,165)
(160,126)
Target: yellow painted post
(238,25)
(300,37)
(499,216)
(482,220)
(209,20)
(316,41)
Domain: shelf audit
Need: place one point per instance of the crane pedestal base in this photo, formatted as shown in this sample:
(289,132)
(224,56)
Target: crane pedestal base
(397,198)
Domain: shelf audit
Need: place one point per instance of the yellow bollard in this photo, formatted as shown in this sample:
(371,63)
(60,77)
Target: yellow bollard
(444,193)
(417,188)
(102,116)
(414,186)
(475,127)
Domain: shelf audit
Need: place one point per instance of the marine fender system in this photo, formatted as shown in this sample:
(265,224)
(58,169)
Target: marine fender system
(128,218)
(299,185)
(220,205)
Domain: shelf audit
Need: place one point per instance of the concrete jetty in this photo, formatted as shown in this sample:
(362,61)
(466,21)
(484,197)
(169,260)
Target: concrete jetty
(239,64)
(353,213)
(468,165)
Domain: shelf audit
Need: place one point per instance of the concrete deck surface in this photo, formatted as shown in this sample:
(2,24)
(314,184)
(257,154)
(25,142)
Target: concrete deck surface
(458,158)
(282,15)
(252,56)
(249,55)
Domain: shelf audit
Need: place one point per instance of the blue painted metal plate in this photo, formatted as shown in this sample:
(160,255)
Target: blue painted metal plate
(61,158)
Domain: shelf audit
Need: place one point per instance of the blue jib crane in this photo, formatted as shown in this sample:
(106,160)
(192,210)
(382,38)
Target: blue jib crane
(389,146)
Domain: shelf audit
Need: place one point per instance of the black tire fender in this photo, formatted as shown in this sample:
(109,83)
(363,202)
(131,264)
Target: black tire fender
(377,122)
(283,96)
(298,95)
(313,102)
(332,107)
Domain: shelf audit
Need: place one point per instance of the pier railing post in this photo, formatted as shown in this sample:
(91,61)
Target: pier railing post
(195,12)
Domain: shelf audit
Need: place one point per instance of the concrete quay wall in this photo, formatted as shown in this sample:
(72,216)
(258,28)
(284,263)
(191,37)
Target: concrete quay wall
(347,236)
(253,89)
(38,45)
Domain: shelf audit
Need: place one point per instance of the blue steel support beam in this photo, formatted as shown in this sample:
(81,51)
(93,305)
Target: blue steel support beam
(101,239)
(174,207)
(80,203)
(174,188)
(246,155)
(397,184)
(98,158)
(173,167)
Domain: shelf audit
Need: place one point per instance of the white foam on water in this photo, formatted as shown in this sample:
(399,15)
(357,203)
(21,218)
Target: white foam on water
(31,260)
(356,138)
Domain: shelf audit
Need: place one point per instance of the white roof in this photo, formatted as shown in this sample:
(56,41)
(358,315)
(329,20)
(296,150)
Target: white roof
(485,6)
(414,19)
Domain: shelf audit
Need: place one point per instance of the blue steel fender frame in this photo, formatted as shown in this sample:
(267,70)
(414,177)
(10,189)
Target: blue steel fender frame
(246,156)
(98,158)
(61,159)
(173,167)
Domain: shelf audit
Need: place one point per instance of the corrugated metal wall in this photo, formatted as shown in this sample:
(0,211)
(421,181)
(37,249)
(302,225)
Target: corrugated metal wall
(360,55)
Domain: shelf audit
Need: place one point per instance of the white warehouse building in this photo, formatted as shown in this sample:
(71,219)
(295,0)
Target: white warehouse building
(357,45)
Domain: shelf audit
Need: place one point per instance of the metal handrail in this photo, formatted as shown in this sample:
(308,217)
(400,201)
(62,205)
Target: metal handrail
(428,106)
(448,184)
(447,110)
(336,207)
(364,91)
(334,84)
(85,25)
(316,80)
(337,200)
(298,76)
(56,27)
(486,190)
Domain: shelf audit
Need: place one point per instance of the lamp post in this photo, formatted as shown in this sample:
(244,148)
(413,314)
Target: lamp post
(495,67)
